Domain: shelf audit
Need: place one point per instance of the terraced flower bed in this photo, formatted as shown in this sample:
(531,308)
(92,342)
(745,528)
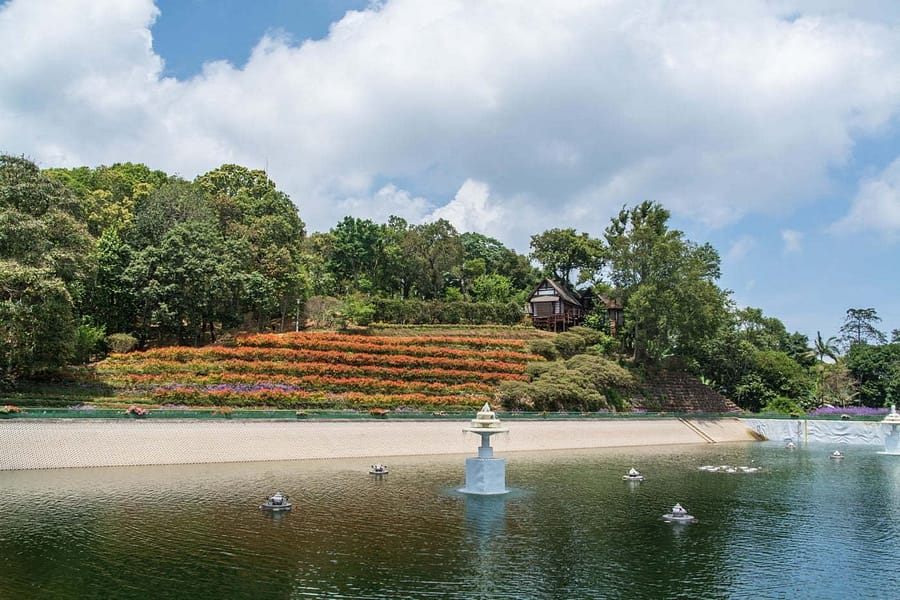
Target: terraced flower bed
(321,370)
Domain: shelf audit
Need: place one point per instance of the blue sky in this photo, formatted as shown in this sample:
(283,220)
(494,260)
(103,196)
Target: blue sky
(769,128)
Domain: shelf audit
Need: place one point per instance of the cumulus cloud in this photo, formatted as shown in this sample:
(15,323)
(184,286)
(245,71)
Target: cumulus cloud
(514,114)
(876,206)
(387,202)
(471,209)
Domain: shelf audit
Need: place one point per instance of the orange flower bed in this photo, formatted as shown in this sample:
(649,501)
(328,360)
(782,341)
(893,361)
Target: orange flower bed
(288,339)
(298,370)
(161,367)
(212,353)
(308,382)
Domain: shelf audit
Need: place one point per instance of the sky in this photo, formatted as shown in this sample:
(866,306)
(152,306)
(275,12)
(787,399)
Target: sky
(768,128)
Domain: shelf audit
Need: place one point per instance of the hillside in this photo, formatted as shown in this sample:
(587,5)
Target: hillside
(321,370)
(417,368)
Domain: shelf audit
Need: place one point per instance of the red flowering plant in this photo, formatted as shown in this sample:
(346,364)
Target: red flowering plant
(137,411)
(225,411)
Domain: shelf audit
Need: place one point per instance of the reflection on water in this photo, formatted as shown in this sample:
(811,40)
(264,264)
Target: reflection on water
(803,527)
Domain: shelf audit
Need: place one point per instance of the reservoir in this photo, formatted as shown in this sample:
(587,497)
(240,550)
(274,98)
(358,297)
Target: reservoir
(802,526)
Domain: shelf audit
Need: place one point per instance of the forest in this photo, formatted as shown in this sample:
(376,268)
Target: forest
(115,258)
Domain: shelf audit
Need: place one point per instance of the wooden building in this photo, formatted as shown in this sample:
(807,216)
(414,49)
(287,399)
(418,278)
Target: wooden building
(555,308)
(615,314)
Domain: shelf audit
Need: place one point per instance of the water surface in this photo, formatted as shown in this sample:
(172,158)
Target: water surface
(805,527)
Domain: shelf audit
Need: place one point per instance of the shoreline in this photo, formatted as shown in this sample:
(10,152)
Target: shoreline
(71,443)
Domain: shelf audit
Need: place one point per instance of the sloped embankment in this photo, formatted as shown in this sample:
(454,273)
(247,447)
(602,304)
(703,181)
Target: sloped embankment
(323,369)
(678,392)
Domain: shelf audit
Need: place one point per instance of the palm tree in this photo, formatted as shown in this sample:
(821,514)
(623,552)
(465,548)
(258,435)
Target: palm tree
(826,347)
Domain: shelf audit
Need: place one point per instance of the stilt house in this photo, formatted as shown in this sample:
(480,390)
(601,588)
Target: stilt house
(555,308)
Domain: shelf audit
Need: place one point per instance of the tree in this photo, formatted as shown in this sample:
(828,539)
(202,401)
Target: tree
(265,224)
(41,226)
(108,194)
(110,297)
(37,328)
(563,251)
(500,260)
(176,202)
(860,327)
(769,333)
(782,374)
(355,254)
(826,347)
(436,251)
(183,284)
(45,264)
(877,371)
(765,333)
(492,288)
(672,303)
(836,385)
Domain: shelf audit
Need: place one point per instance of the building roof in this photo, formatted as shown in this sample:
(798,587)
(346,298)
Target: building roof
(564,294)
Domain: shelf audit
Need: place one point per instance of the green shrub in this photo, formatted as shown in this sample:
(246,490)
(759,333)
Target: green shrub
(357,310)
(604,374)
(591,337)
(420,312)
(752,393)
(585,382)
(121,343)
(569,344)
(569,391)
(543,347)
(88,342)
(606,345)
(536,369)
(784,405)
(514,395)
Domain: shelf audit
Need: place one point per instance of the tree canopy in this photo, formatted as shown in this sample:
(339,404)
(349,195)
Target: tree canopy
(134,252)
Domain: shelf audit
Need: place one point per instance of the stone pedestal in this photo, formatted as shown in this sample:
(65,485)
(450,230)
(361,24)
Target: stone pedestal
(485,476)
(892,435)
(892,440)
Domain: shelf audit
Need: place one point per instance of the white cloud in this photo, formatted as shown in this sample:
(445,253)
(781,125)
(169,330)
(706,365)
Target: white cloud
(876,206)
(740,248)
(471,209)
(386,202)
(793,240)
(562,110)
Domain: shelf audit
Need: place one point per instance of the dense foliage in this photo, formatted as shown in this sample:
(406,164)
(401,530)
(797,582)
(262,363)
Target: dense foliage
(123,257)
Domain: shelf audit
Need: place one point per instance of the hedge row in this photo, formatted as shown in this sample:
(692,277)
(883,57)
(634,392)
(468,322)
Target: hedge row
(420,312)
